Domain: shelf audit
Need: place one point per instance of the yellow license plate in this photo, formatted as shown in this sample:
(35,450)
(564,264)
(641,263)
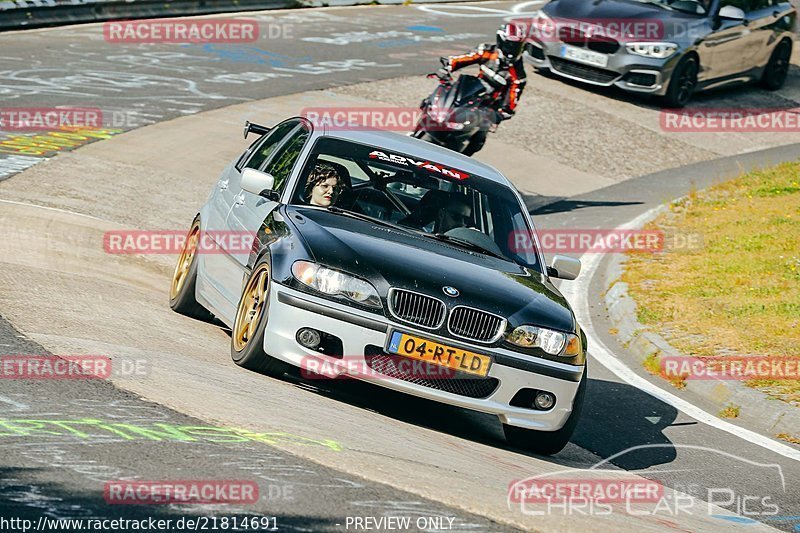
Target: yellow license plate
(439,354)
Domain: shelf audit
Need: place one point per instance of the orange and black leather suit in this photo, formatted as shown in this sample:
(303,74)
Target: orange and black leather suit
(507,78)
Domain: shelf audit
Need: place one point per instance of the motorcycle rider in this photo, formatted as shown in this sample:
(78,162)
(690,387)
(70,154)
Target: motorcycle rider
(501,67)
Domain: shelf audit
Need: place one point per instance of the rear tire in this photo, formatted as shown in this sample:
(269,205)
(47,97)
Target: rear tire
(184,279)
(777,70)
(682,83)
(252,314)
(548,442)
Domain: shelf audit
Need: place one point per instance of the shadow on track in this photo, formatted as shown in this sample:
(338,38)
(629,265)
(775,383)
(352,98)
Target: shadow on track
(615,417)
(25,496)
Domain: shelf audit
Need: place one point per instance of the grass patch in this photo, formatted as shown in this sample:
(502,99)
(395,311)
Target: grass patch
(730,411)
(788,438)
(652,363)
(739,291)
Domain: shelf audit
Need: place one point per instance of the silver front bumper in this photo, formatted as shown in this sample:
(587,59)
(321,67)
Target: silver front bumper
(620,65)
(291,310)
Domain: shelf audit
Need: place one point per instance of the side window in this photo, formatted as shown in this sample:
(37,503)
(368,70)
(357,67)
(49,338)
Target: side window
(757,5)
(246,154)
(281,165)
(271,141)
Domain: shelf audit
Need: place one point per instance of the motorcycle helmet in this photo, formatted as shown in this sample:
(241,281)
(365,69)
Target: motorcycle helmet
(511,41)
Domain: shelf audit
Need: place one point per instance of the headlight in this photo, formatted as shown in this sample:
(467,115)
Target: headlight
(657,50)
(437,114)
(542,26)
(552,342)
(455,125)
(333,282)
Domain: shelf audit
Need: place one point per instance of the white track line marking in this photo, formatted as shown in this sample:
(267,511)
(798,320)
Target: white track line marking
(576,292)
(52,209)
(479,11)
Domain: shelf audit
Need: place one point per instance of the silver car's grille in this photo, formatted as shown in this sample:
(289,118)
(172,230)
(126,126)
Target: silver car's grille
(476,325)
(416,308)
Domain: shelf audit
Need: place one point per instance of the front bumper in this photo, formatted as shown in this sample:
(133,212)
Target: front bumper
(624,70)
(291,310)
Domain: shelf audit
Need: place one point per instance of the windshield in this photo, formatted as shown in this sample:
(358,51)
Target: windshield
(417,195)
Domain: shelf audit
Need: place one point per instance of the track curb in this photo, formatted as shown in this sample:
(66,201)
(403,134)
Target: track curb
(758,410)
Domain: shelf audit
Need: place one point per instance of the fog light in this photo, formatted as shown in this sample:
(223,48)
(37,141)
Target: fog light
(544,401)
(309,338)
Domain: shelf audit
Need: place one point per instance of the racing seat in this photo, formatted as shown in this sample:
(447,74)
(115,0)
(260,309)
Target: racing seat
(426,210)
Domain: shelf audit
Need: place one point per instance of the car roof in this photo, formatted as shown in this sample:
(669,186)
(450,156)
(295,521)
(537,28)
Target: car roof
(395,142)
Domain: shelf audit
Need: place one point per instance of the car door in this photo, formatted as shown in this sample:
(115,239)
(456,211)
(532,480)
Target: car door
(733,44)
(249,210)
(219,266)
(761,17)
(765,17)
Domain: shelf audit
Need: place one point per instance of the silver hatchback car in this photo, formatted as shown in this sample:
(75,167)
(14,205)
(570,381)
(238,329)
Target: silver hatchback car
(668,48)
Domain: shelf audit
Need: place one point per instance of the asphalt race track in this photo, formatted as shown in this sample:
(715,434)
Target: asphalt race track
(321,453)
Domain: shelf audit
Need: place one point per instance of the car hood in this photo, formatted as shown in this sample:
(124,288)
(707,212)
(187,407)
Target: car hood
(669,24)
(390,257)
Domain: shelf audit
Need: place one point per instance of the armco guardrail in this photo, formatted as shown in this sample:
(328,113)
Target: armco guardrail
(22,14)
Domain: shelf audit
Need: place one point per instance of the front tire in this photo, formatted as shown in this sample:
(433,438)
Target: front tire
(682,83)
(777,70)
(252,314)
(184,279)
(548,442)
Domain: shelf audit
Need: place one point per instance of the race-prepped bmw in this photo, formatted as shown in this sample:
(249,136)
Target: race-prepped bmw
(386,249)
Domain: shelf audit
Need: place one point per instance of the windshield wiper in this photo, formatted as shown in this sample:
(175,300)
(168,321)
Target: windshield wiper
(367,218)
(466,244)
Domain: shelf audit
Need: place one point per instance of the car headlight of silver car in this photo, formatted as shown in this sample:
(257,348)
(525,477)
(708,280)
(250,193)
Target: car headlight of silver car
(552,342)
(335,283)
(656,50)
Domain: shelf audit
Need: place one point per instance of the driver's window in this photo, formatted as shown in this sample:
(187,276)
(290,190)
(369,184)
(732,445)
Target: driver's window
(269,144)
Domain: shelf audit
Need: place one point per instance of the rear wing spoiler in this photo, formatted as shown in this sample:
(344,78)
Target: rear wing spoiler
(255,128)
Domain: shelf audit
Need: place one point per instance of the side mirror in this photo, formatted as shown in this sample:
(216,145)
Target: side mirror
(732,13)
(258,182)
(564,267)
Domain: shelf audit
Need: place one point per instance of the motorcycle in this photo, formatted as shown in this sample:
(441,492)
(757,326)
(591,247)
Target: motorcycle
(456,111)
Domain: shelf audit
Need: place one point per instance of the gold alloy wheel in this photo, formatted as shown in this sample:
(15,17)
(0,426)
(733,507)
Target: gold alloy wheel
(251,307)
(185,261)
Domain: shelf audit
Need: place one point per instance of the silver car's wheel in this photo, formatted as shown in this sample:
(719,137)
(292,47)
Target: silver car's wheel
(247,335)
(682,83)
(777,69)
(184,278)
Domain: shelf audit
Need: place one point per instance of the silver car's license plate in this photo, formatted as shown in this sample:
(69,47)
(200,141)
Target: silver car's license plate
(582,55)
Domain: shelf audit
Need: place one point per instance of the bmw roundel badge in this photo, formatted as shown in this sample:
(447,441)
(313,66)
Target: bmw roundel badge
(450,291)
